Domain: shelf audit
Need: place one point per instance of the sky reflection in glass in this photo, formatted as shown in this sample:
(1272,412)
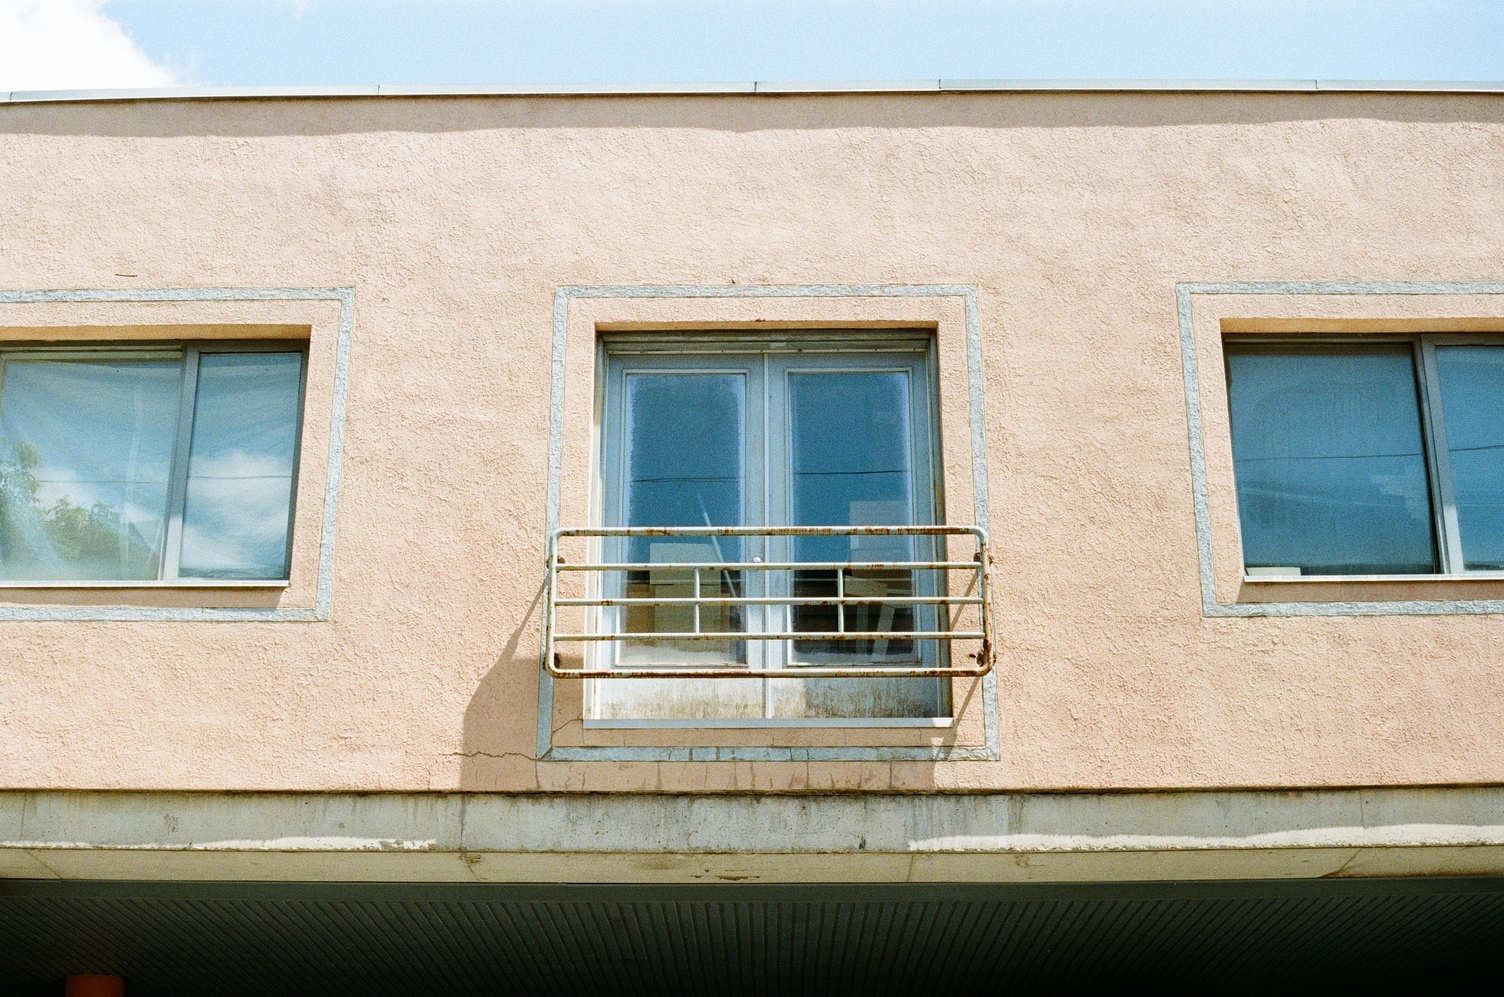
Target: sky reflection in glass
(1472,393)
(685,446)
(685,456)
(851,466)
(1330,466)
(240,468)
(849,448)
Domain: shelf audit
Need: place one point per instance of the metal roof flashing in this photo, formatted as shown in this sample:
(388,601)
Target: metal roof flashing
(770,88)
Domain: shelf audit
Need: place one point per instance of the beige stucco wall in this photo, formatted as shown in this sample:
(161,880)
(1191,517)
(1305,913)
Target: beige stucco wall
(456,219)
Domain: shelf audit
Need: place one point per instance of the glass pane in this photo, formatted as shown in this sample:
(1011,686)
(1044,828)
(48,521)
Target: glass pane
(1472,395)
(85,454)
(1331,473)
(240,468)
(684,461)
(851,466)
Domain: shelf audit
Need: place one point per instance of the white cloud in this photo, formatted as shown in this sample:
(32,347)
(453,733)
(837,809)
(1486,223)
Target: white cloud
(70,45)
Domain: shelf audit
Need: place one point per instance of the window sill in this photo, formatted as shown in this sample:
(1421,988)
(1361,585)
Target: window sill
(180,594)
(181,583)
(1373,588)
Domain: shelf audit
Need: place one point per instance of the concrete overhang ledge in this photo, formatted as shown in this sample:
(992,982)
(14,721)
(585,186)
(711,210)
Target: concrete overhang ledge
(644,838)
(763,87)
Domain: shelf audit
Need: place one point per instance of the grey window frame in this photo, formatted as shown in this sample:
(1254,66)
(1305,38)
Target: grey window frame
(187,354)
(766,493)
(1446,535)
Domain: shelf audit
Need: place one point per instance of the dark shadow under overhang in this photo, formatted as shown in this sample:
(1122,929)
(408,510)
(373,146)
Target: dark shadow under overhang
(415,938)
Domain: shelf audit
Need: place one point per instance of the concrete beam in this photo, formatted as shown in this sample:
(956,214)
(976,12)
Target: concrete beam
(775,839)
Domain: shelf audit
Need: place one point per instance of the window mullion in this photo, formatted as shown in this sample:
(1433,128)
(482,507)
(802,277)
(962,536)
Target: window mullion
(770,510)
(177,493)
(1440,461)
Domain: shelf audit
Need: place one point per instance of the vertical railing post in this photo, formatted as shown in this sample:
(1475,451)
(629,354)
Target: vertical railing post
(697,599)
(550,610)
(841,595)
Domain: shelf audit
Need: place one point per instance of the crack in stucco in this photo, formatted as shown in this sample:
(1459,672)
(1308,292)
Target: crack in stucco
(31,854)
(1341,869)
(490,754)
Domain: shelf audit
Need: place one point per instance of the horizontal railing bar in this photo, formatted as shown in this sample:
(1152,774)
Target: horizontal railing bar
(738,635)
(771,531)
(978,567)
(728,600)
(775,566)
(792,672)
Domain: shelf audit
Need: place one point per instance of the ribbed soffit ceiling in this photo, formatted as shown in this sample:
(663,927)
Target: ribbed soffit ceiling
(229,939)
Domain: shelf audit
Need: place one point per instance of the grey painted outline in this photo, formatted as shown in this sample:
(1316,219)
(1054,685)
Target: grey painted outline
(968,293)
(1209,605)
(324,590)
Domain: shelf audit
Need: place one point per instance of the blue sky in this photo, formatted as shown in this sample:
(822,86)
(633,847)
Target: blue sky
(230,42)
(438,42)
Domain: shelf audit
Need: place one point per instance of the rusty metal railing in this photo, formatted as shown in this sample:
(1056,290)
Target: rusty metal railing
(954,620)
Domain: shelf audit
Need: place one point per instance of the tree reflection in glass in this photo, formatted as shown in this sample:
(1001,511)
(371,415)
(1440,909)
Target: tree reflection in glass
(85,458)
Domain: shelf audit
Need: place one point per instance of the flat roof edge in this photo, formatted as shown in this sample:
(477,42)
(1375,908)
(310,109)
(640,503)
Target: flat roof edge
(761,87)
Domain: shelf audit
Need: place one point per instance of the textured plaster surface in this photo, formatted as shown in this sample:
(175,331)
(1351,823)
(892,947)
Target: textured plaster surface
(455,221)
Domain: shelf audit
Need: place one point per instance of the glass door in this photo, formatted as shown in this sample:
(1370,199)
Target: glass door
(783,437)
(683,448)
(852,447)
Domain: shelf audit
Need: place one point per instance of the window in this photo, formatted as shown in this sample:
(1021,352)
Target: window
(1369,457)
(808,432)
(136,464)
